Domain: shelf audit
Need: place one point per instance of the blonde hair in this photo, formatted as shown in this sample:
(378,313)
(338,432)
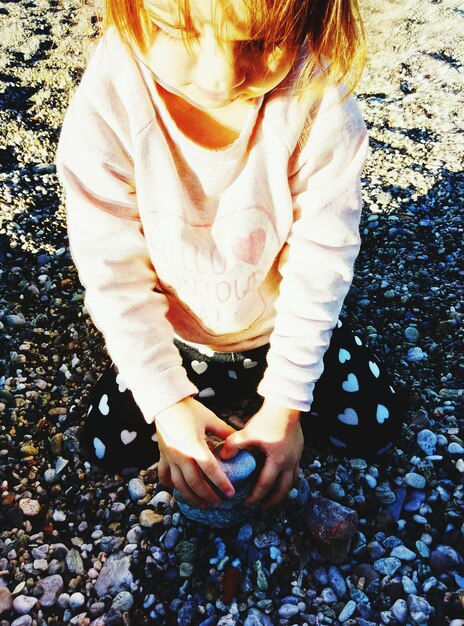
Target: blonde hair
(332,30)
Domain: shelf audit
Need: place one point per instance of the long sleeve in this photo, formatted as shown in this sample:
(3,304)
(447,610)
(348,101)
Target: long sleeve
(109,249)
(317,263)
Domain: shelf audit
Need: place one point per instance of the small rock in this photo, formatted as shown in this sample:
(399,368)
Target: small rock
(49,589)
(187,613)
(288,610)
(445,558)
(415,355)
(427,441)
(115,575)
(257,618)
(400,611)
(29,507)
(149,518)
(412,334)
(76,600)
(124,601)
(419,609)
(388,566)
(171,538)
(412,479)
(6,600)
(403,553)
(74,562)
(24,620)
(347,611)
(266,540)
(23,604)
(332,524)
(137,489)
(187,550)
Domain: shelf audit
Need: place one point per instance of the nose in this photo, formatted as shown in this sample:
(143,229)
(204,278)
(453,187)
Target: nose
(218,66)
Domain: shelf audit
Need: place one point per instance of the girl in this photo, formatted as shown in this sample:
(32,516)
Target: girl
(211,159)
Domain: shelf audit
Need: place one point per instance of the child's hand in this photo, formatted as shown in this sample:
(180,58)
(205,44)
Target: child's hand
(277,432)
(185,455)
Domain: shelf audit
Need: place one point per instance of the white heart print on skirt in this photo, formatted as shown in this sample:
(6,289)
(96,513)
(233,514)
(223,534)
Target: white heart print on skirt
(128,437)
(103,405)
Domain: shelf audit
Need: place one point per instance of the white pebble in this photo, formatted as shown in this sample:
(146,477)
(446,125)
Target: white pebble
(23,604)
(162,497)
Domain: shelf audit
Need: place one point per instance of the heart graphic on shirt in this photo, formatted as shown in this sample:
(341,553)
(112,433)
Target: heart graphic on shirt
(128,436)
(250,249)
(248,364)
(199,366)
(349,416)
(103,406)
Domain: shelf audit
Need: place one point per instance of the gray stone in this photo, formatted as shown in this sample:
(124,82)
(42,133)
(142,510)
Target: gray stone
(347,611)
(137,489)
(412,334)
(427,441)
(267,539)
(288,610)
(241,471)
(49,589)
(23,620)
(337,581)
(74,562)
(415,355)
(257,618)
(124,601)
(23,604)
(187,550)
(388,566)
(115,575)
(76,600)
(412,479)
(419,609)
(403,553)
(400,611)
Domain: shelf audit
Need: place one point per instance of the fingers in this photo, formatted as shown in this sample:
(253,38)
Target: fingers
(220,428)
(197,483)
(216,475)
(182,486)
(280,491)
(164,473)
(235,442)
(266,481)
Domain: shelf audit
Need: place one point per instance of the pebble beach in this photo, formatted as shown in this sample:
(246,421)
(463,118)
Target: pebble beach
(83,547)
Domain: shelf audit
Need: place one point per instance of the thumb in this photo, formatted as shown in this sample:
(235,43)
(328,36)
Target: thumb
(235,442)
(220,428)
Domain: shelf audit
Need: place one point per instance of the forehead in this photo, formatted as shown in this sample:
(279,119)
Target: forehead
(230,14)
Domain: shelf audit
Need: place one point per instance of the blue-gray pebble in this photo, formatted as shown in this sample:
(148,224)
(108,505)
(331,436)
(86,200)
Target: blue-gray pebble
(427,441)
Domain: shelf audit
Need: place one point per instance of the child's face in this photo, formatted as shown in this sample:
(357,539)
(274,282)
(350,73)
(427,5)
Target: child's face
(205,71)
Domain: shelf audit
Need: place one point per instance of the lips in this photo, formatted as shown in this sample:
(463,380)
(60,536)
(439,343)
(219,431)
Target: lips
(213,96)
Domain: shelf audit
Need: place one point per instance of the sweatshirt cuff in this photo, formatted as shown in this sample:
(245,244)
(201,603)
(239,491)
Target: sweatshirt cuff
(158,391)
(292,395)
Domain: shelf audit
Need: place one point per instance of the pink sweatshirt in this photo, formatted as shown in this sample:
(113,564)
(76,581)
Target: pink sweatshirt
(227,248)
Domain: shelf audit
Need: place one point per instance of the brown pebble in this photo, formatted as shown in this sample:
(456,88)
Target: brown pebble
(230,582)
(149,518)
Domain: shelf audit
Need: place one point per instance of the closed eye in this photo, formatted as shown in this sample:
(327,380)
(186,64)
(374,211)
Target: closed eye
(172,32)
